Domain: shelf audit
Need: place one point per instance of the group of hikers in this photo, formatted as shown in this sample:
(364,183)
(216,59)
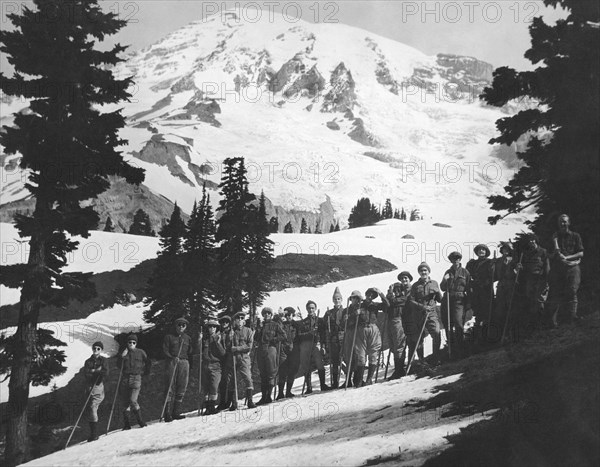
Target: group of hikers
(529,292)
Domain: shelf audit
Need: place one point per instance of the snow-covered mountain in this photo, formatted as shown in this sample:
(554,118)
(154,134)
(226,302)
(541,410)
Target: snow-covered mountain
(323,113)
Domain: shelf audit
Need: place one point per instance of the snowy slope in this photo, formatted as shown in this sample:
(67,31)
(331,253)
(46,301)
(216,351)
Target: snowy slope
(318,110)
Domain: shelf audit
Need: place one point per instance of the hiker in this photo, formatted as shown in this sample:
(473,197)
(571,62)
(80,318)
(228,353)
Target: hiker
(271,338)
(308,335)
(135,363)
(289,358)
(354,318)
(480,288)
(533,285)
(213,351)
(177,348)
(238,344)
(398,294)
(332,331)
(456,285)
(505,274)
(370,344)
(425,293)
(565,274)
(224,400)
(95,370)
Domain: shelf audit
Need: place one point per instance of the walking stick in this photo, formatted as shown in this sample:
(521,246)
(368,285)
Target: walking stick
(449,329)
(235,388)
(277,373)
(344,339)
(511,301)
(81,414)
(201,401)
(114,398)
(387,364)
(171,382)
(491,293)
(417,346)
(329,346)
(352,349)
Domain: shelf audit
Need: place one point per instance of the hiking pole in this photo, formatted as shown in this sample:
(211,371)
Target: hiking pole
(171,382)
(352,349)
(512,294)
(275,388)
(201,401)
(344,339)
(329,347)
(115,398)
(491,296)
(417,345)
(387,364)
(235,388)
(82,410)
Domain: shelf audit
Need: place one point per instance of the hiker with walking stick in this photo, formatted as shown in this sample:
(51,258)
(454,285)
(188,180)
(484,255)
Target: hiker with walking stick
(269,340)
(135,364)
(355,316)
(333,319)
(213,351)
(425,293)
(177,348)
(308,336)
(238,344)
(398,295)
(95,372)
(504,273)
(481,273)
(225,390)
(289,358)
(369,340)
(455,283)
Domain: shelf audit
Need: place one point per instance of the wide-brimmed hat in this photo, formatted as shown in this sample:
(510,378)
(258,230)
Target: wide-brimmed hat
(182,320)
(483,247)
(266,310)
(356,293)
(407,274)
(454,256)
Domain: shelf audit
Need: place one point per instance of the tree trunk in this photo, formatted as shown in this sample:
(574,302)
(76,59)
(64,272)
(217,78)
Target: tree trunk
(17,449)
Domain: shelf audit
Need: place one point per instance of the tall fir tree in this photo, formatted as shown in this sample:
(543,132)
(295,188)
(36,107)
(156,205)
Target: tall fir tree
(141,224)
(560,165)
(199,262)
(234,233)
(318,227)
(288,228)
(109,226)
(167,289)
(303,226)
(403,214)
(261,260)
(396,214)
(387,212)
(69,148)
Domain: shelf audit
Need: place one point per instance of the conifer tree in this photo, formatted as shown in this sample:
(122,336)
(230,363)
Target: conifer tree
(303,226)
(415,215)
(141,224)
(69,148)
(403,214)
(274,224)
(288,228)
(109,226)
(337,227)
(387,212)
(363,213)
(166,291)
(396,214)
(332,227)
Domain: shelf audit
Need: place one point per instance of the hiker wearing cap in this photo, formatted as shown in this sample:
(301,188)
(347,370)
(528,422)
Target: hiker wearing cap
(505,274)
(398,294)
(213,351)
(456,285)
(271,338)
(310,355)
(225,400)
(369,342)
(134,363)
(332,320)
(480,288)
(424,296)
(238,344)
(565,274)
(532,289)
(355,317)
(289,359)
(177,348)
(95,370)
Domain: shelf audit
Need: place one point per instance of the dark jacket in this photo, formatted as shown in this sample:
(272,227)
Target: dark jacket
(535,262)
(136,362)
(397,304)
(213,350)
(95,369)
(308,329)
(172,343)
(271,334)
(426,293)
(458,284)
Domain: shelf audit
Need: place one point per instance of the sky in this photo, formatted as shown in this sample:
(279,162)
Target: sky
(493,31)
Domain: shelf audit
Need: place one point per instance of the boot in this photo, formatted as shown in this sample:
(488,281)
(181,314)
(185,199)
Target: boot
(93,434)
(358,376)
(138,417)
(324,386)
(335,376)
(370,373)
(398,369)
(126,424)
(263,394)
(348,379)
(288,392)
(177,411)
(308,381)
(225,402)
(168,417)
(209,408)
(280,391)
(251,404)
(268,398)
(234,404)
